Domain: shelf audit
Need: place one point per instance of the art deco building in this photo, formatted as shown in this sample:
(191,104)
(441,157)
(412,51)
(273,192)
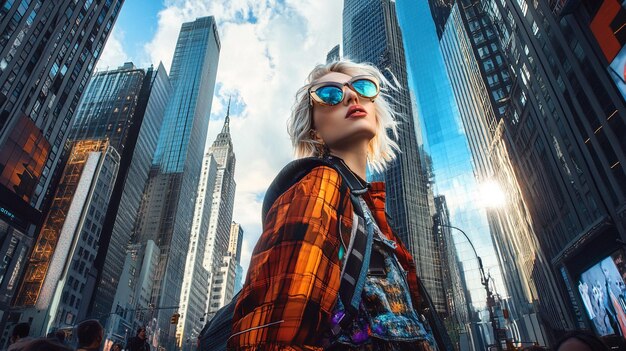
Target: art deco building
(218,238)
(48,50)
(193,295)
(229,278)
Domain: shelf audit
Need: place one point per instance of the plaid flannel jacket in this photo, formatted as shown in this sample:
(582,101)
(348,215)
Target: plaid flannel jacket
(292,284)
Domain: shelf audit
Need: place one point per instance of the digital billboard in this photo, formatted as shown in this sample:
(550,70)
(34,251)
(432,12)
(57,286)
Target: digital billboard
(609,29)
(22,158)
(603,293)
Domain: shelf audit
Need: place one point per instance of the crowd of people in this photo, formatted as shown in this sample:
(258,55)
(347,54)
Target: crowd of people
(89,337)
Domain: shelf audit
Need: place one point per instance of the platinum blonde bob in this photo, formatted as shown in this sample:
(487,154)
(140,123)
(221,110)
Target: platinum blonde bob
(381,149)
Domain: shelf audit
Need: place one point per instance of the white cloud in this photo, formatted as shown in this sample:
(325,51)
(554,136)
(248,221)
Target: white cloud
(262,64)
(113,54)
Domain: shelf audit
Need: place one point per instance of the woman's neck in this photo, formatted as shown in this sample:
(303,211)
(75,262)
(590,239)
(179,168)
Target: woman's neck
(355,159)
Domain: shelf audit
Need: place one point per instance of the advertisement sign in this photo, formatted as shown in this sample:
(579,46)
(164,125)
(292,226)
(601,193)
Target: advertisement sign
(603,293)
(609,29)
(22,158)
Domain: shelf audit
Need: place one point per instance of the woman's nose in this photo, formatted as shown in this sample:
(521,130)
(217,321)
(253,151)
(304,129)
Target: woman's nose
(350,96)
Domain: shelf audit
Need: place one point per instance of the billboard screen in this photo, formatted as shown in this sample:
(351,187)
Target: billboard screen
(22,158)
(609,29)
(603,294)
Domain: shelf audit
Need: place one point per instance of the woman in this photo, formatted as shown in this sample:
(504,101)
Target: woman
(290,297)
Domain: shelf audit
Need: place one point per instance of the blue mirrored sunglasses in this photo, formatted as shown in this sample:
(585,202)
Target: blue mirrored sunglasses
(331,93)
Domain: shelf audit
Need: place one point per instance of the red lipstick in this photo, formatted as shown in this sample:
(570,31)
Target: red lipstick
(356,111)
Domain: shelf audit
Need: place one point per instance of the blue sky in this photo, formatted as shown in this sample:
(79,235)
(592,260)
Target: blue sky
(138,29)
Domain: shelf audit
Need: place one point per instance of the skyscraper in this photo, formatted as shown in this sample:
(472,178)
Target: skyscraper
(229,277)
(47,53)
(371,34)
(218,237)
(131,306)
(193,295)
(456,314)
(50,296)
(564,129)
(559,136)
(166,213)
(126,106)
(479,77)
(333,54)
(234,249)
(446,141)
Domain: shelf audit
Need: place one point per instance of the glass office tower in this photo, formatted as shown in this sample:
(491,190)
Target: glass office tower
(125,105)
(479,77)
(448,146)
(166,214)
(371,34)
(48,50)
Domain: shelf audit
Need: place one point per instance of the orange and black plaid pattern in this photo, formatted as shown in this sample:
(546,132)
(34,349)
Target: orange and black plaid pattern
(292,284)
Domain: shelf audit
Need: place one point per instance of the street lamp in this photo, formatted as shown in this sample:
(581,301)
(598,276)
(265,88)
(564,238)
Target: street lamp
(484,280)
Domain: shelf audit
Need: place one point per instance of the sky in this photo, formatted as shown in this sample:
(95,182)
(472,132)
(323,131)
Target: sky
(268,49)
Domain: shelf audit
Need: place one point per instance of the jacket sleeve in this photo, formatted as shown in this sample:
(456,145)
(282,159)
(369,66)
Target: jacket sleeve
(293,280)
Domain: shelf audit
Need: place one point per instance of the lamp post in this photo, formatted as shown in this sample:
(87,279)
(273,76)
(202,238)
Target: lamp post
(484,280)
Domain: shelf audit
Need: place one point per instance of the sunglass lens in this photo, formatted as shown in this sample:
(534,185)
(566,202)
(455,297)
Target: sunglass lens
(365,87)
(330,95)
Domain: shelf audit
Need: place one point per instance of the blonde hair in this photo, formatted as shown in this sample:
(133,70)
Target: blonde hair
(381,149)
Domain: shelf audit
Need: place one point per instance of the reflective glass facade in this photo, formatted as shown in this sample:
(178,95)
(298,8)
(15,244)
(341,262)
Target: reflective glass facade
(509,222)
(195,62)
(550,140)
(448,144)
(125,105)
(371,34)
(166,213)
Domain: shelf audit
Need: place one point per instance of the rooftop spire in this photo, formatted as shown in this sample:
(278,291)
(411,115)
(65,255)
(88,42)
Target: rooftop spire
(226,127)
